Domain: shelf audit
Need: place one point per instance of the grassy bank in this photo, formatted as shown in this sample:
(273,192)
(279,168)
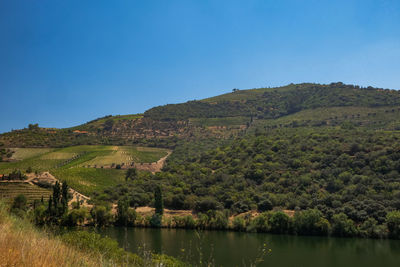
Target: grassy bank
(24,245)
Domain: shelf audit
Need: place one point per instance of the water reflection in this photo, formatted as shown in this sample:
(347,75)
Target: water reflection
(235,249)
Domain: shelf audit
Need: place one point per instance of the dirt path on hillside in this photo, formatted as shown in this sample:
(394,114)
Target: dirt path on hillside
(48,177)
(153,167)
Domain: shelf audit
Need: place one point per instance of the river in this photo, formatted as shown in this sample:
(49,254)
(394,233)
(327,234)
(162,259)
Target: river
(224,248)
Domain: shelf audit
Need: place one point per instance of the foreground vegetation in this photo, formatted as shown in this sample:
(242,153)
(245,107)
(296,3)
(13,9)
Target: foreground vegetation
(22,245)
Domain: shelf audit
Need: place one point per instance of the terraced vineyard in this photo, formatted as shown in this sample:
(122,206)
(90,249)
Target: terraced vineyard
(25,153)
(9,191)
(86,168)
(89,180)
(377,118)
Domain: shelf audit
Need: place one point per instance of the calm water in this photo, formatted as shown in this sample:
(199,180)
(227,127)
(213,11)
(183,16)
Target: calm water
(239,249)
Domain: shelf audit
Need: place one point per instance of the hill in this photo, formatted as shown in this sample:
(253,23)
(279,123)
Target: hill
(334,148)
(217,117)
(86,168)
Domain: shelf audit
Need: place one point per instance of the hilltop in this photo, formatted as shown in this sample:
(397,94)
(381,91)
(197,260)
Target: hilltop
(219,117)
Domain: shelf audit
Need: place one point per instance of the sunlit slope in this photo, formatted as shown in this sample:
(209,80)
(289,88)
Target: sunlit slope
(85,168)
(270,103)
(233,112)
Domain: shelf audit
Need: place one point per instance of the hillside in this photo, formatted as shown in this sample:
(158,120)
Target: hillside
(86,168)
(217,117)
(267,103)
(334,148)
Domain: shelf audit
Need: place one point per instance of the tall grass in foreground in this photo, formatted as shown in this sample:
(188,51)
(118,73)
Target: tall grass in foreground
(22,245)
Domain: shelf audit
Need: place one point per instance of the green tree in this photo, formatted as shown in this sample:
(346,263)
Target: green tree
(56,196)
(158,201)
(279,222)
(370,228)
(50,206)
(75,217)
(40,214)
(219,221)
(131,174)
(122,212)
(100,215)
(19,203)
(259,224)
(64,197)
(310,222)
(393,224)
(239,224)
(156,220)
(343,226)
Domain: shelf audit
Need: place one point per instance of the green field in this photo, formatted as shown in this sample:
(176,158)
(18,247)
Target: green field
(374,118)
(89,180)
(70,163)
(9,191)
(25,153)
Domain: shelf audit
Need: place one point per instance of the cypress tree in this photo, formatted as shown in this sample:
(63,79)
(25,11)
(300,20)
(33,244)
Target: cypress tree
(56,194)
(64,195)
(64,191)
(158,201)
(49,208)
(122,212)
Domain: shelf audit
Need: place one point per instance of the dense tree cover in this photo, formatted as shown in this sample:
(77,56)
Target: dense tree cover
(276,102)
(348,177)
(354,172)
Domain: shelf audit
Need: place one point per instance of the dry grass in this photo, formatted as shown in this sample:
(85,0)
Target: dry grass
(22,245)
(148,211)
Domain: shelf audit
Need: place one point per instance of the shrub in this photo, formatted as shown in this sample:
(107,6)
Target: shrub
(279,222)
(94,243)
(265,205)
(239,224)
(393,224)
(156,220)
(343,226)
(206,204)
(101,216)
(259,224)
(310,222)
(184,222)
(219,221)
(19,205)
(75,217)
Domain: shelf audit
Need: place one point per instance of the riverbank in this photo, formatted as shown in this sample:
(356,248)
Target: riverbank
(309,222)
(24,245)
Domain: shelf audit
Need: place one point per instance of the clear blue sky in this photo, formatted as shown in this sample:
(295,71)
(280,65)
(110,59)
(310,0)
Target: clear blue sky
(63,63)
